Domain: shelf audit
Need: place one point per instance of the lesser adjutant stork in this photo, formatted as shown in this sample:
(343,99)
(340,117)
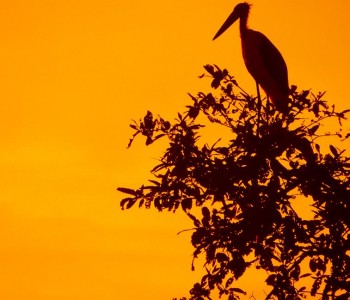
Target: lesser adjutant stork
(262,59)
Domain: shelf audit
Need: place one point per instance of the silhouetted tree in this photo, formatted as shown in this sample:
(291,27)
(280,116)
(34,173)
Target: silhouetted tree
(248,188)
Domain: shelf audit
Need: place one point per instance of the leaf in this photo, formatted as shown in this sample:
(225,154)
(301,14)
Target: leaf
(229,282)
(293,89)
(209,69)
(125,201)
(141,203)
(127,191)
(238,290)
(148,120)
(295,273)
(271,279)
(130,203)
(303,288)
(305,275)
(154,182)
(206,216)
(334,150)
(158,136)
(313,265)
(221,257)
(313,129)
(216,82)
(193,112)
(166,125)
(132,139)
(149,141)
(228,89)
(158,168)
(194,219)
(237,265)
(304,94)
(193,98)
(317,146)
(186,204)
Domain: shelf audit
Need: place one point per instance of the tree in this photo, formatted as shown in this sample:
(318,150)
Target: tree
(246,190)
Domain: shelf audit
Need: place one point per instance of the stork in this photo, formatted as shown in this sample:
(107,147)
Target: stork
(262,59)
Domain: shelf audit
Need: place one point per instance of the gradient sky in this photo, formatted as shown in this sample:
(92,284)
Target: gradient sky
(73,73)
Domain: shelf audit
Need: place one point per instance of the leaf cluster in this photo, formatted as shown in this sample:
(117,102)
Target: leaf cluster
(247,188)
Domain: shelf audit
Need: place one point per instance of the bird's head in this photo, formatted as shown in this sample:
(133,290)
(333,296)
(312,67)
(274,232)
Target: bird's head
(241,10)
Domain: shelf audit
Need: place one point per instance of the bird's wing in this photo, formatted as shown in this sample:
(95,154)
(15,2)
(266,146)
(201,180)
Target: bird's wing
(273,61)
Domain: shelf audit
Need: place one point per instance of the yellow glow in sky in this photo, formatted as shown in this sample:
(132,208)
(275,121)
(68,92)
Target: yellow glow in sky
(72,76)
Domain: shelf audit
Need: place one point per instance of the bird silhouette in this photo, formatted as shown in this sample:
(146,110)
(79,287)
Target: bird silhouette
(262,59)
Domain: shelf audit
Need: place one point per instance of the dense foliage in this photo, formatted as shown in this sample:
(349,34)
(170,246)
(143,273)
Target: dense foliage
(247,190)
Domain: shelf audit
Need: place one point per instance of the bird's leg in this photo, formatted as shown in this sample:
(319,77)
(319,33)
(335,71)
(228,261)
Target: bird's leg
(259,108)
(267,109)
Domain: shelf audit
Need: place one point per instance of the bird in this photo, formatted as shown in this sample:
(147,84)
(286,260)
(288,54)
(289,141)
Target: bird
(262,59)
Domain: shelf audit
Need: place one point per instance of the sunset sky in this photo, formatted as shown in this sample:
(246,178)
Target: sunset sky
(73,74)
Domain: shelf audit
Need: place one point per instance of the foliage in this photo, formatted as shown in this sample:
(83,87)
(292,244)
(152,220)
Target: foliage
(247,189)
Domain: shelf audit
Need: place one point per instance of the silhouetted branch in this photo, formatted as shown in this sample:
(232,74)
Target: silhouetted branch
(246,185)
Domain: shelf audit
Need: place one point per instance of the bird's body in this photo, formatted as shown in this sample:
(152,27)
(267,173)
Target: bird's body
(262,59)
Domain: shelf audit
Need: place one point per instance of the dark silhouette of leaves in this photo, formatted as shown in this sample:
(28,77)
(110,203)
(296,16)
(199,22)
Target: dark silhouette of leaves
(248,188)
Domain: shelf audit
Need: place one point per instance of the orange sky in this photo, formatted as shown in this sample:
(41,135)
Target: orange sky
(73,74)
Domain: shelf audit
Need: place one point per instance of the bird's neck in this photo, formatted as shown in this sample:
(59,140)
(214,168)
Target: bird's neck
(243,25)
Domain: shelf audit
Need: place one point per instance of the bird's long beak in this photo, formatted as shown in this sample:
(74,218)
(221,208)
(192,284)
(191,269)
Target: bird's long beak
(233,17)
